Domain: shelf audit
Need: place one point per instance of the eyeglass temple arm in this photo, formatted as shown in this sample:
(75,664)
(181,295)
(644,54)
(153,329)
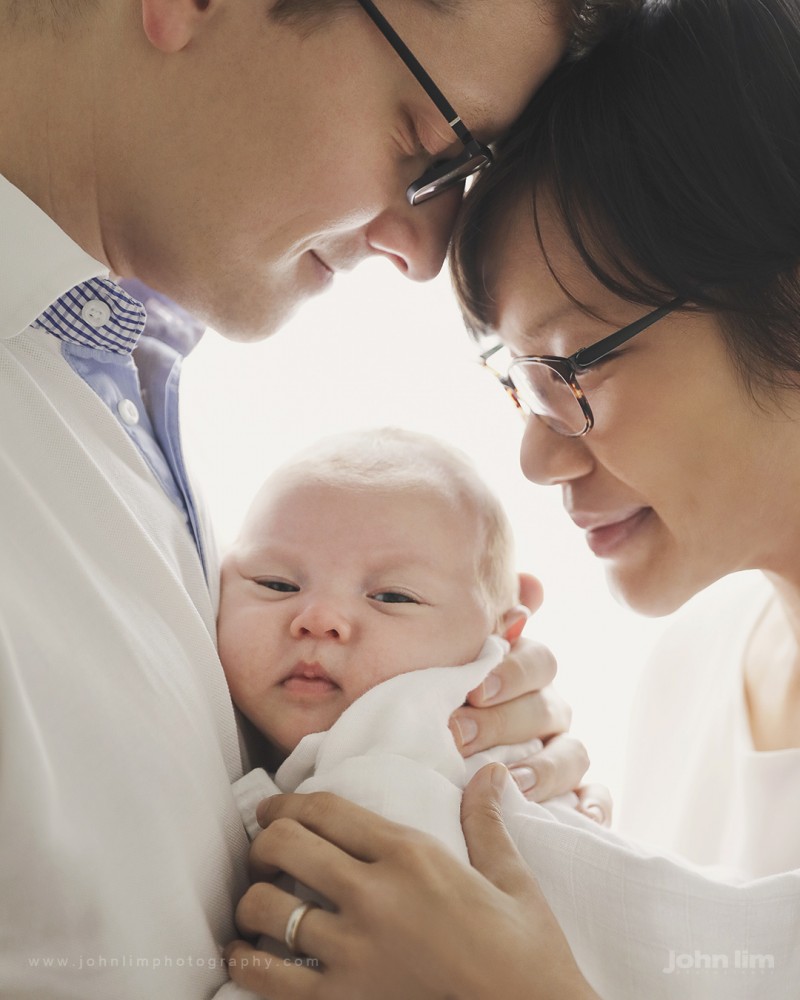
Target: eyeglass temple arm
(415,67)
(485,355)
(587,356)
(504,380)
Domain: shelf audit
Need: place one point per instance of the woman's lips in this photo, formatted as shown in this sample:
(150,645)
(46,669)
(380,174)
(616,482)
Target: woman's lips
(605,537)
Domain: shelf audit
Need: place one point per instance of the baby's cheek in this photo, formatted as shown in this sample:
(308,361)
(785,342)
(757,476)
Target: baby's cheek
(403,661)
(240,662)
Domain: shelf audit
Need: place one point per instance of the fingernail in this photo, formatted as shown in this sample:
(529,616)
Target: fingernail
(594,811)
(525,777)
(499,775)
(522,610)
(491,686)
(467,729)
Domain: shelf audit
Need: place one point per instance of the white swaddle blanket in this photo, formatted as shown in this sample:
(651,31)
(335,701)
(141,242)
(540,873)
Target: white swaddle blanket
(390,751)
(639,925)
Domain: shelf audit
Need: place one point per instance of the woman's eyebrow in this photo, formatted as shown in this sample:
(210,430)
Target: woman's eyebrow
(567,321)
(544,329)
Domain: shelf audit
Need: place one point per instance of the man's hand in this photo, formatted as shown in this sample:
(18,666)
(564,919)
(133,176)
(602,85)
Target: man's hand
(406,911)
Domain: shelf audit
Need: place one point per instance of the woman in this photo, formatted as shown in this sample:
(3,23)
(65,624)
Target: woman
(636,248)
(663,177)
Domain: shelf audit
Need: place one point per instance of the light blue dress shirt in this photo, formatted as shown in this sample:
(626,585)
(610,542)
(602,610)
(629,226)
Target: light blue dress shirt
(128,344)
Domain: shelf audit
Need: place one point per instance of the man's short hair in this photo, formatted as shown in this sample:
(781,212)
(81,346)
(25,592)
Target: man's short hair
(304,11)
(44,14)
(588,21)
(391,460)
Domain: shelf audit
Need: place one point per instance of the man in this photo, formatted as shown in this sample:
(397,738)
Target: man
(233,154)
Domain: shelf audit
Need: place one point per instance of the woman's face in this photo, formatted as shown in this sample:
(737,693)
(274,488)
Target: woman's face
(685,477)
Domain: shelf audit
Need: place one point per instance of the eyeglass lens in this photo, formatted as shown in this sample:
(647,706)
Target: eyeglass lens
(543,392)
(447,174)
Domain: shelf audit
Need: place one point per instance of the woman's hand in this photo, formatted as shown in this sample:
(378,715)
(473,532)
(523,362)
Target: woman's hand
(410,920)
(517,704)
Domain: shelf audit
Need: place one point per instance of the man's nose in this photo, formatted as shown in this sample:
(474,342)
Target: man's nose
(321,620)
(415,237)
(548,458)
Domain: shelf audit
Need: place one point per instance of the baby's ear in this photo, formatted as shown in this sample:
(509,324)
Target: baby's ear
(531,591)
(514,621)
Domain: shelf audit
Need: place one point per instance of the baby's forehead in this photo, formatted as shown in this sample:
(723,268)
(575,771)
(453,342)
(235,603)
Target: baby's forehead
(428,485)
(301,493)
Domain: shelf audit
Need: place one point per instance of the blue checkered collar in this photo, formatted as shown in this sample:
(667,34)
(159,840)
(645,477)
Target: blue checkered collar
(97,313)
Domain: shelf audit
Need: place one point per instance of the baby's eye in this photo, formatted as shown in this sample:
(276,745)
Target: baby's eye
(281,586)
(393,597)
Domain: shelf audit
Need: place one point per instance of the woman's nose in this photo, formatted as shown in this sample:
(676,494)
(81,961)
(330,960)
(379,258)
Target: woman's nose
(321,620)
(549,458)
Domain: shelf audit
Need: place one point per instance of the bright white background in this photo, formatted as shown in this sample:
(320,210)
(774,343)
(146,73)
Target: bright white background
(377,350)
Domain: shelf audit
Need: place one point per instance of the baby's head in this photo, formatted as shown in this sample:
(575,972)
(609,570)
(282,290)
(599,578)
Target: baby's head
(369,555)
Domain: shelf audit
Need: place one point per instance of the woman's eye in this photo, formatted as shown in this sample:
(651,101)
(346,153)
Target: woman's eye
(393,597)
(280,586)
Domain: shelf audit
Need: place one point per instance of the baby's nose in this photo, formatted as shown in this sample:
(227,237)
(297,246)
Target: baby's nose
(321,620)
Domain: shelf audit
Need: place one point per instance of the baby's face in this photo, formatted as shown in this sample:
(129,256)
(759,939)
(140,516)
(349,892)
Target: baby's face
(331,590)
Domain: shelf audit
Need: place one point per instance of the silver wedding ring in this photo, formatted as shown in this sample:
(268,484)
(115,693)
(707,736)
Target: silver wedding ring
(293,924)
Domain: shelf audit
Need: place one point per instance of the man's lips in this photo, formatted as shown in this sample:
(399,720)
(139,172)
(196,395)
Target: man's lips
(310,679)
(606,531)
(341,259)
(323,272)
(319,260)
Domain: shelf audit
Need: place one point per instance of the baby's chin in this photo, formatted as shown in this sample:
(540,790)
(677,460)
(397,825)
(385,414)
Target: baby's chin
(285,743)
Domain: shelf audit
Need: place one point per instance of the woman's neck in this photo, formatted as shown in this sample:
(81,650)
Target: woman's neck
(772,672)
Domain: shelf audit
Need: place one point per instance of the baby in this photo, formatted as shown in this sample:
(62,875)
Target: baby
(370,555)
(371,588)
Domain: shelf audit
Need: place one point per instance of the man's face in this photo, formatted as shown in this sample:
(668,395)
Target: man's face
(276,157)
(330,590)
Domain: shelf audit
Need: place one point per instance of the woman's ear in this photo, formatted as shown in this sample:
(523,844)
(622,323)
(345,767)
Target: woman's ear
(171,24)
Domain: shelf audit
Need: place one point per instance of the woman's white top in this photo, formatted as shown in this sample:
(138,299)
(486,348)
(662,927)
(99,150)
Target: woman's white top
(695,784)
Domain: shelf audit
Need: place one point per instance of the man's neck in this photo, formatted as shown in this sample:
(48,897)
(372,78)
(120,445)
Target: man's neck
(48,120)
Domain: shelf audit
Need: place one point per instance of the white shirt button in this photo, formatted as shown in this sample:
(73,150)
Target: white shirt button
(96,313)
(128,412)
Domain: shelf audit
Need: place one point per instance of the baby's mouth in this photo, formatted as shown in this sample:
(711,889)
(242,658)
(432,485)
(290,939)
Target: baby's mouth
(309,678)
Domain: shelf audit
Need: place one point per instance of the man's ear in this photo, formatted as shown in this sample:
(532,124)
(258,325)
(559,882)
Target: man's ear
(171,24)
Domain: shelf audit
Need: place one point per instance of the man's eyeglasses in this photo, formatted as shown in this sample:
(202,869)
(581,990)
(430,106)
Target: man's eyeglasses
(445,173)
(547,387)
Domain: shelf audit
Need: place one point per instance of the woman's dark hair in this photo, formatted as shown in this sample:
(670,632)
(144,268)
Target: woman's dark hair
(671,155)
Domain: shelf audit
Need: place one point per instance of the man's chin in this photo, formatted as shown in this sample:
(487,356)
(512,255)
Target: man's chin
(252,326)
(249,309)
(245,333)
